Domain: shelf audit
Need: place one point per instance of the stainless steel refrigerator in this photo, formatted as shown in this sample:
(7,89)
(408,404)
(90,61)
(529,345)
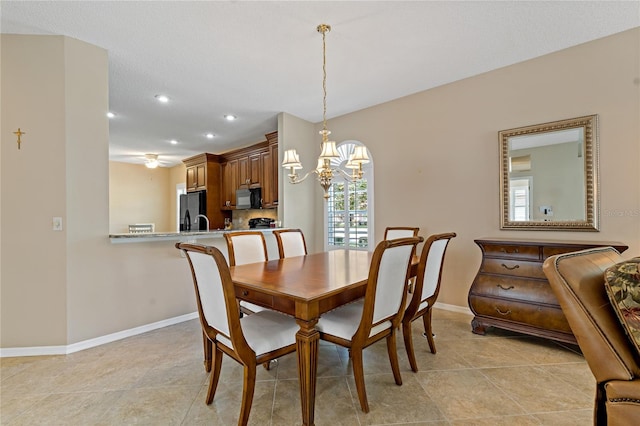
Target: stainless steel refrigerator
(191,205)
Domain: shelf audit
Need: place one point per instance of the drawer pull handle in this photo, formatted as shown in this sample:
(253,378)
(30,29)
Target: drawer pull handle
(511,268)
(505,288)
(503,313)
(504,250)
(245,292)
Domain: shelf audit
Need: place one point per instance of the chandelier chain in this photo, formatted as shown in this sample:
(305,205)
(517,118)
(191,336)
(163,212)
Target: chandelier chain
(324,29)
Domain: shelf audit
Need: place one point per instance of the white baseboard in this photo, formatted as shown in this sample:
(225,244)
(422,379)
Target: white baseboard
(86,344)
(454,308)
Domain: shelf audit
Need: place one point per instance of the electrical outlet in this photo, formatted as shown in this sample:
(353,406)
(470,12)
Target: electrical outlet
(57,223)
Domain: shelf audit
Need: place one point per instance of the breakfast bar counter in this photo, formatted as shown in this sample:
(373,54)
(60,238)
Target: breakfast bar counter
(191,236)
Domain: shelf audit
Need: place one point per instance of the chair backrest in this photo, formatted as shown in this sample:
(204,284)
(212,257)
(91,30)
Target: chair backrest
(393,232)
(246,247)
(215,296)
(578,281)
(429,273)
(386,288)
(290,242)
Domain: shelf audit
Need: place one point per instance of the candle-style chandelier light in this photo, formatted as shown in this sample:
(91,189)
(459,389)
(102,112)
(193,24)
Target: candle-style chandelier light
(328,150)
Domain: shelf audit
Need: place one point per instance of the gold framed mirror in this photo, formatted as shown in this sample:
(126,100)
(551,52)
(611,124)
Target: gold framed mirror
(549,176)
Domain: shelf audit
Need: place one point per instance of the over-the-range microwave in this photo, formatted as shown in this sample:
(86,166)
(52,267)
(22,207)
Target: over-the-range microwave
(249,198)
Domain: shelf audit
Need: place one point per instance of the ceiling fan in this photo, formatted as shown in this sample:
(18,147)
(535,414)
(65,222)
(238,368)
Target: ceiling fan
(152,161)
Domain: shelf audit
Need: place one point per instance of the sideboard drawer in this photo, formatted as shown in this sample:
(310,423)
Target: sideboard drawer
(519,289)
(546,317)
(512,251)
(550,251)
(518,268)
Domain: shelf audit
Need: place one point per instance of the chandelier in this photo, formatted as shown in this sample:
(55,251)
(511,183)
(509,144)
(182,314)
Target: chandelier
(324,171)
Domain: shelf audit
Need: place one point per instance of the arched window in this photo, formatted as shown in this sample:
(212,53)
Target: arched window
(349,209)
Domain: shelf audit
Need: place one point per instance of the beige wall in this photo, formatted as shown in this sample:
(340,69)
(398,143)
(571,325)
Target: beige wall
(436,165)
(138,194)
(60,288)
(298,203)
(436,152)
(177,175)
(33,191)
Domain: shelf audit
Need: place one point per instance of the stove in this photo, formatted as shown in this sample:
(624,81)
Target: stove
(260,223)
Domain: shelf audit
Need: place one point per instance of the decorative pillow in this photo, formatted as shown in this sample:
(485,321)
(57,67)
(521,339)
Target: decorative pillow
(622,283)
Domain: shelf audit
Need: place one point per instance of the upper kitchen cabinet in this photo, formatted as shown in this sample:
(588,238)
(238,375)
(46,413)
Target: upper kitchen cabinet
(229,183)
(269,161)
(250,171)
(204,174)
(197,177)
(255,166)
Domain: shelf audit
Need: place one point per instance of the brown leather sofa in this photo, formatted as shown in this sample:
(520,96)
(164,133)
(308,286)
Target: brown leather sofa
(578,281)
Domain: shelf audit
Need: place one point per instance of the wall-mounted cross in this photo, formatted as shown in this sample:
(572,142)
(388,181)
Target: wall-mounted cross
(19,133)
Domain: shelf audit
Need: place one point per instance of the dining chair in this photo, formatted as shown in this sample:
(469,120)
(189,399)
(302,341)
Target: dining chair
(246,247)
(425,292)
(393,232)
(250,340)
(290,242)
(378,315)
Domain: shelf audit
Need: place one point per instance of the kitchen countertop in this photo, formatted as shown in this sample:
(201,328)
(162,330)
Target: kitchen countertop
(177,236)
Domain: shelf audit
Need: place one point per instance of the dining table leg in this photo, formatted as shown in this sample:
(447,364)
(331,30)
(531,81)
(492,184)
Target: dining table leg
(307,339)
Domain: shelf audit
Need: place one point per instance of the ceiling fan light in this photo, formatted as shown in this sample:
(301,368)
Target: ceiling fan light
(152,161)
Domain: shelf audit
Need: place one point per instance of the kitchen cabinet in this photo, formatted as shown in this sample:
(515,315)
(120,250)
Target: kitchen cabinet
(255,171)
(249,171)
(267,183)
(197,177)
(511,292)
(229,183)
(255,166)
(204,173)
(270,167)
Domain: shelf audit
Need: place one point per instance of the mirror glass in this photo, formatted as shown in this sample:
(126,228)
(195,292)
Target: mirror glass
(549,176)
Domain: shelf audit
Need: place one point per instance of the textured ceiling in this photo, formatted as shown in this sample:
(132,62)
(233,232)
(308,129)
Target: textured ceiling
(256,59)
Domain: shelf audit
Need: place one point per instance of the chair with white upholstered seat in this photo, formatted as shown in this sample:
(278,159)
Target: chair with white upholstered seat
(250,340)
(246,247)
(393,232)
(366,321)
(290,242)
(425,292)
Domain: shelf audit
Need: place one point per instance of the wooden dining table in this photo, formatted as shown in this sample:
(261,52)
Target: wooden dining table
(305,287)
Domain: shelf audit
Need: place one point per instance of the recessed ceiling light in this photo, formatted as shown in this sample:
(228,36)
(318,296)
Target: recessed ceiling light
(209,135)
(162,98)
(110,114)
(173,142)
(230,117)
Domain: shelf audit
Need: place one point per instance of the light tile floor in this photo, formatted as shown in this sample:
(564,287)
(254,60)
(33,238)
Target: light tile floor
(158,378)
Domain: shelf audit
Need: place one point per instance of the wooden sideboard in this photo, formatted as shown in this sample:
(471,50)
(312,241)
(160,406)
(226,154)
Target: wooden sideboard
(511,292)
